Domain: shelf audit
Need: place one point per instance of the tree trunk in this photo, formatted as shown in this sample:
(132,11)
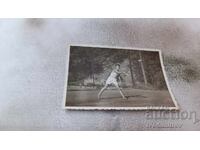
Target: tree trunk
(142,67)
(131,70)
(92,68)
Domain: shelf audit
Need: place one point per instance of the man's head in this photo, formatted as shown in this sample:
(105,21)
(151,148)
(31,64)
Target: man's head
(117,66)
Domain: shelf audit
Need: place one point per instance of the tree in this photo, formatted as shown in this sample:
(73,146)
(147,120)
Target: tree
(142,67)
(131,70)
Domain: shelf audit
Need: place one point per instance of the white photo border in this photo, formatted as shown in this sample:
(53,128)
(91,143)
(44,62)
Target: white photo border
(176,107)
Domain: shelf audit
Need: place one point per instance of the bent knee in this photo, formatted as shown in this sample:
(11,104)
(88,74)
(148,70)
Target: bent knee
(106,86)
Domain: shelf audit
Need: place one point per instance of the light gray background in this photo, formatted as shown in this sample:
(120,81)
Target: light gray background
(33,56)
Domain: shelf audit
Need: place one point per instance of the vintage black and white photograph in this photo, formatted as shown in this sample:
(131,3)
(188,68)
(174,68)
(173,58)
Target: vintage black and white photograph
(117,78)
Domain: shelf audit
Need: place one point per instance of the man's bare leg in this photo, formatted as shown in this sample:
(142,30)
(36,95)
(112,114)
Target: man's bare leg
(102,90)
(121,92)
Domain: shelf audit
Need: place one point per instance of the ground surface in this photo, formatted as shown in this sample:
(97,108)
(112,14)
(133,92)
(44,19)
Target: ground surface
(112,98)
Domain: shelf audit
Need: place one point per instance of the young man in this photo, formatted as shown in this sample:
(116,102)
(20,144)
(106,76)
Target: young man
(113,79)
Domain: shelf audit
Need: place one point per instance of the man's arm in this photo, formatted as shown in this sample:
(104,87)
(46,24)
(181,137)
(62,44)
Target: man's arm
(121,72)
(125,73)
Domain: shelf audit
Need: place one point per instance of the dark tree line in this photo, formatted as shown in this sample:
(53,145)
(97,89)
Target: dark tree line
(86,62)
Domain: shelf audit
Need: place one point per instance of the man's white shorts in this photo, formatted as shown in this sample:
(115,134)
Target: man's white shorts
(112,81)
